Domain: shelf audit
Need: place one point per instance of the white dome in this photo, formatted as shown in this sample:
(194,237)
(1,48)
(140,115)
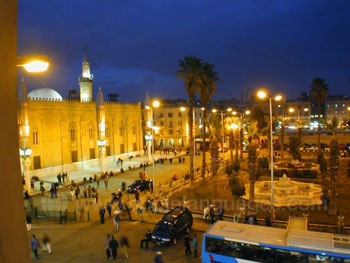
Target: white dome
(44,93)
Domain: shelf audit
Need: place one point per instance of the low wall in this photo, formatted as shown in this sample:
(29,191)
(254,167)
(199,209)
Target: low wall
(81,165)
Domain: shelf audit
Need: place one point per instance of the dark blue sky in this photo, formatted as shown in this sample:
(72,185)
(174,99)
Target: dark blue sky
(134,46)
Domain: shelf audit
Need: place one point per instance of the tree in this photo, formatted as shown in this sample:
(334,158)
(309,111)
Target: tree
(253,169)
(214,127)
(333,125)
(294,147)
(333,171)
(207,88)
(189,71)
(319,92)
(323,169)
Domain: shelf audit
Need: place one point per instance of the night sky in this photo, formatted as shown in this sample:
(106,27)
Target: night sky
(134,46)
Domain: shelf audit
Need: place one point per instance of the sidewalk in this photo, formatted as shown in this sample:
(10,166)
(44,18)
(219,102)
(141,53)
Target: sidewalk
(78,175)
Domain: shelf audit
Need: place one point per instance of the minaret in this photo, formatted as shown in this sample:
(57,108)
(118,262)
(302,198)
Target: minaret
(23,124)
(86,80)
(101,127)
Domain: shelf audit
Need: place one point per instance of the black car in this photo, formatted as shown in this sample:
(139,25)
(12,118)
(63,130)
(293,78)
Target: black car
(139,185)
(172,226)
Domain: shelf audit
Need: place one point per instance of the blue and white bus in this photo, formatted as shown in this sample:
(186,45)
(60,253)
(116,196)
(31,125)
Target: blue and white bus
(227,242)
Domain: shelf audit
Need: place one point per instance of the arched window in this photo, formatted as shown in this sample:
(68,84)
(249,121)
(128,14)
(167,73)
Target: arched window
(72,132)
(35,136)
(91,133)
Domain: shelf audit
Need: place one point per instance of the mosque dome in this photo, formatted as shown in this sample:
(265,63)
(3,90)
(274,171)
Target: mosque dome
(44,93)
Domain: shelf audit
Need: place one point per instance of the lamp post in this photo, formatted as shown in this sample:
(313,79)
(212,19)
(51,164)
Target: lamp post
(150,137)
(31,65)
(263,95)
(222,121)
(25,154)
(102,150)
(292,110)
(242,114)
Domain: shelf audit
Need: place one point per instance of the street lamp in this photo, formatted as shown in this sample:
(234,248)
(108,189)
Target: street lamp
(150,138)
(33,64)
(222,120)
(263,95)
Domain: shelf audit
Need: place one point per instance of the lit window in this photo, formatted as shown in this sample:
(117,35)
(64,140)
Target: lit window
(91,133)
(35,138)
(72,134)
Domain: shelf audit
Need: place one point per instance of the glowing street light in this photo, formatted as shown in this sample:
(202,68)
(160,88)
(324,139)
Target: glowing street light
(262,95)
(307,109)
(291,110)
(234,113)
(33,64)
(229,109)
(182,109)
(214,110)
(247,112)
(156,103)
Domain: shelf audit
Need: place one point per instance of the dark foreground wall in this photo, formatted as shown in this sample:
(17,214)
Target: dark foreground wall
(13,236)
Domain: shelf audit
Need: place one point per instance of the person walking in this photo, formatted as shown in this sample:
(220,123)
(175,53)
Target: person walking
(123,186)
(64,217)
(77,192)
(109,209)
(187,245)
(158,258)
(137,196)
(102,214)
(146,239)
(59,177)
(89,191)
(113,245)
(116,221)
(85,191)
(29,222)
(195,245)
(106,242)
(124,244)
(105,180)
(46,243)
(96,197)
(34,244)
(340,223)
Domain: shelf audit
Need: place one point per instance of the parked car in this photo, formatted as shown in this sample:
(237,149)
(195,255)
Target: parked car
(172,226)
(139,185)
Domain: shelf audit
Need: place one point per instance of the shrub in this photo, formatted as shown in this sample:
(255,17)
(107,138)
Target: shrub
(236,186)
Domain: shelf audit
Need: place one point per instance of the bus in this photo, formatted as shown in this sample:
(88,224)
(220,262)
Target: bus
(228,242)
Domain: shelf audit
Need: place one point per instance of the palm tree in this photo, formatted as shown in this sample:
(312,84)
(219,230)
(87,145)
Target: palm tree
(333,170)
(207,88)
(214,127)
(319,92)
(190,71)
(253,169)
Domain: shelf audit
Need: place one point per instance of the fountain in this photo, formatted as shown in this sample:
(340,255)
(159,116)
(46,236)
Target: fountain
(287,192)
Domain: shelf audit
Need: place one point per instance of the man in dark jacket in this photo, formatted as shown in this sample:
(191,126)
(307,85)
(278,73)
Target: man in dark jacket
(102,214)
(187,245)
(113,245)
(146,239)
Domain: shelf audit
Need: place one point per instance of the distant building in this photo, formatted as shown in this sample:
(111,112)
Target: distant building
(171,118)
(67,134)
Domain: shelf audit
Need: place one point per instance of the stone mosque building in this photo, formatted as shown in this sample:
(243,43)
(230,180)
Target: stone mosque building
(58,134)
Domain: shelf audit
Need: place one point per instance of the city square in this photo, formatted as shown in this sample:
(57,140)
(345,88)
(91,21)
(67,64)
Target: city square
(174,131)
